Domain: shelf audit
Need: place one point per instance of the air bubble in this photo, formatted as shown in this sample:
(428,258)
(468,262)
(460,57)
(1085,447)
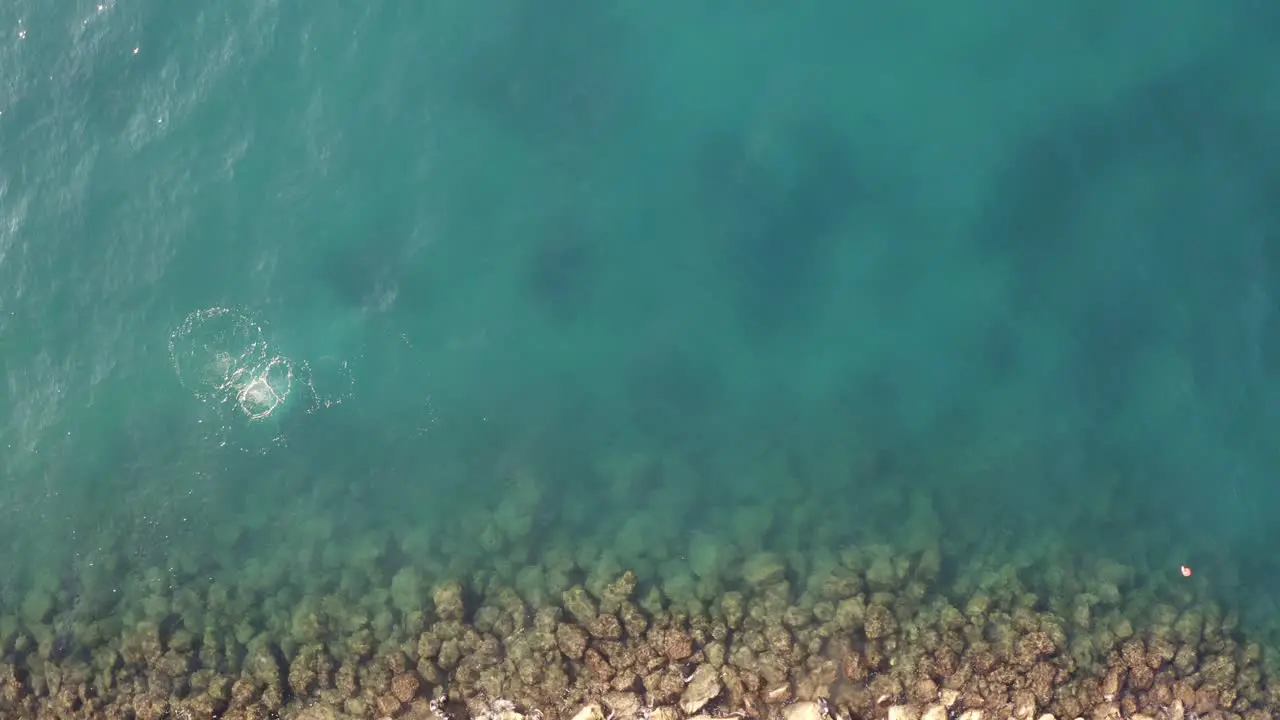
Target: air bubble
(223,358)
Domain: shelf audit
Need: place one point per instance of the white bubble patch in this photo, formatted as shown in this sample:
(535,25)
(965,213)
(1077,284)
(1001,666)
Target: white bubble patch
(223,357)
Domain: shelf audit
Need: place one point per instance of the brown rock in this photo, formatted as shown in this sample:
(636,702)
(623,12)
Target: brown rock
(397,662)
(387,705)
(1218,670)
(572,640)
(923,690)
(405,686)
(597,667)
(302,676)
(1041,680)
(622,704)
(1032,647)
(947,662)
(428,645)
(779,639)
(448,601)
(779,693)
(618,592)
(12,689)
(1141,677)
(1159,652)
(634,621)
(606,626)
(1185,660)
(149,707)
(1134,652)
(663,687)
(450,654)
(1106,711)
(625,680)
(1206,700)
(885,689)
(193,707)
(879,622)
(272,698)
(244,692)
(677,645)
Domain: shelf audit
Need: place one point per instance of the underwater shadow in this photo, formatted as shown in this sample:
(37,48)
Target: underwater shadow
(558,274)
(780,223)
(1189,141)
(554,71)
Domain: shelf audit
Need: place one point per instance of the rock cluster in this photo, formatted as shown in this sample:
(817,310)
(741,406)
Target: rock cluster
(868,637)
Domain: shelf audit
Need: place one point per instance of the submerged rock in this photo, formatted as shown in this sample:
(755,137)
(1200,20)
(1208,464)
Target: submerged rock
(590,712)
(703,686)
(807,710)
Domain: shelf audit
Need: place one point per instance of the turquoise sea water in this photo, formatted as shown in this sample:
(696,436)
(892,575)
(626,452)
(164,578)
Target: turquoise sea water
(464,284)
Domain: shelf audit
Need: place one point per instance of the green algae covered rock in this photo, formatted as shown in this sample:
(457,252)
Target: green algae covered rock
(407,592)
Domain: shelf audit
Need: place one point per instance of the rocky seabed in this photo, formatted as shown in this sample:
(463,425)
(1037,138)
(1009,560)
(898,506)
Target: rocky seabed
(867,637)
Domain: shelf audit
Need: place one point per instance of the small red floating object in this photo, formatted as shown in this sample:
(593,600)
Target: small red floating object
(1186,571)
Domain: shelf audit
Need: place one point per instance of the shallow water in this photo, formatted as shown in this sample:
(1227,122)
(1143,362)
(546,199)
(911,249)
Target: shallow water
(649,283)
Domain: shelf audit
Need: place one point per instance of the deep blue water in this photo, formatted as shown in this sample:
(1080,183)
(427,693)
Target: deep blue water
(470,285)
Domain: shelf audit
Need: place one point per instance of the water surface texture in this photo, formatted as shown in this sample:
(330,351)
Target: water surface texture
(288,288)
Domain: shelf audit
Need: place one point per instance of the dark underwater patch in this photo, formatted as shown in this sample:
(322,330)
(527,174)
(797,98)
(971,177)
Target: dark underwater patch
(553,71)
(672,393)
(559,271)
(779,224)
(1173,269)
(358,277)
(378,268)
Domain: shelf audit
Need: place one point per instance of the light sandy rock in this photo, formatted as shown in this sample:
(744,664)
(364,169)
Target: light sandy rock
(1024,706)
(1107,711)
(971,715)
(806,710)
(703,686)
(778,693)
(590,712)
(904,712)
(320,712)
(936,711)
(949,697)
